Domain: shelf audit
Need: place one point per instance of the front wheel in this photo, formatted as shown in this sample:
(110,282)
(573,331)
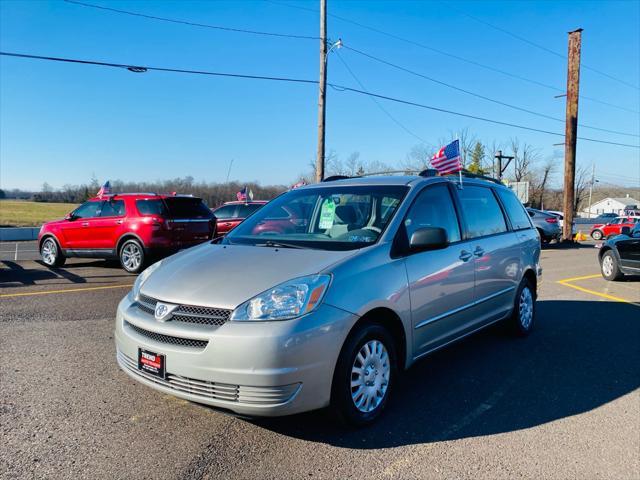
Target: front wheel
(364,375)
(132,256)
(51,254)
(609,267)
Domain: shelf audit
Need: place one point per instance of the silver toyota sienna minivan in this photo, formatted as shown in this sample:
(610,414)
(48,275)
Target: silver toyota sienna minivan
(323,296)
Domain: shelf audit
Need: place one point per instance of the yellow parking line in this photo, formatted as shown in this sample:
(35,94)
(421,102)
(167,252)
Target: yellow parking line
(566,283)
(68,290)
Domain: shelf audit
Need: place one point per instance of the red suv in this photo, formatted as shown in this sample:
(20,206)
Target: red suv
(131,227)
(613,228)
(230,214)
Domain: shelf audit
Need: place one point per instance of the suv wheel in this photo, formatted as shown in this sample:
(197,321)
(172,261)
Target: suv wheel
(609,266)
(132,256)
(596,235)
(524,309)
(364,375)
(51,254)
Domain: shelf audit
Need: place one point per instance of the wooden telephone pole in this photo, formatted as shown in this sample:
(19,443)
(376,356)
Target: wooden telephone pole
(322,92)
(571,132)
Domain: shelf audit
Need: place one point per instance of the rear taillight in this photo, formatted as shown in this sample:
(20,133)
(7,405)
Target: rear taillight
(551,220)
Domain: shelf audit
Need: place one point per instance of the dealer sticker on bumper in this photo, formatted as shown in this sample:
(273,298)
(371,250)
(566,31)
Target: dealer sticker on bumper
(150,362)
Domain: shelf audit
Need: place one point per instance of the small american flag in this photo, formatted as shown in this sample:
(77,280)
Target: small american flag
(242,195)
(447,160)
(104,189)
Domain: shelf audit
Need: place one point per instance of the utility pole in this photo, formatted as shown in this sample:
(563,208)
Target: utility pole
(322,92)
(593,180)
(500,170)
(571,132)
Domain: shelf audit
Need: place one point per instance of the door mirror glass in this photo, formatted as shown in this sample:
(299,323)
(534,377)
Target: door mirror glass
(625,231)
(70,216)
(428,238)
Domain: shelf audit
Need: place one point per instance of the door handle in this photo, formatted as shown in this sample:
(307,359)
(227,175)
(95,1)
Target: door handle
(119,222)
(227,224)
(478,252)
(85,224)
(465,256)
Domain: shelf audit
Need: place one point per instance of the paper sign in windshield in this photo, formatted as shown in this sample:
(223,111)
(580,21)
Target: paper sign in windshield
(327,214)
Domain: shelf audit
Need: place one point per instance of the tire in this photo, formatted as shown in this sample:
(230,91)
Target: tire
(609,267)
(51,253)
(596,235)
(132,257)
(543,239)
(373,344)
(523,317)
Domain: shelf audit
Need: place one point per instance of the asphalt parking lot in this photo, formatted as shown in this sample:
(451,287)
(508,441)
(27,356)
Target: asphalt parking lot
(563,403)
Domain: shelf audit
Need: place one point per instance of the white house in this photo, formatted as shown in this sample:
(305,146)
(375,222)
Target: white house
(612,205)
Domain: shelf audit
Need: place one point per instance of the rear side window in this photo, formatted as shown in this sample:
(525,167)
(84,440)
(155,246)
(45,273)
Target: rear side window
(482,212)
(151,207)
(181,207)
(113,208)
(433,208)
(226,211)
(515,210)
(245,210)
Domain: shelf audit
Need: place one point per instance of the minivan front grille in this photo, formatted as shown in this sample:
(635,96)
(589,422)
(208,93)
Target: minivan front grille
(187,313)
(215,391)
(168,339)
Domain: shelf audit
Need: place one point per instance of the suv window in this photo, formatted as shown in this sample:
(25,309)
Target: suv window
(87,210)
(482,212)
(245,210)
(151,207)
(433,208)
(112,208)
(517,214)
(227,211)
(187,207)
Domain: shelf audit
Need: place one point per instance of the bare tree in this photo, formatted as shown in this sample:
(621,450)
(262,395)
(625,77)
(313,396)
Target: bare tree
(525,156)
(582,184)
(540,182)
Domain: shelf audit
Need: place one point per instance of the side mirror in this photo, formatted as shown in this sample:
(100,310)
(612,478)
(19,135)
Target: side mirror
(428,238)
(70,217)
(626,231)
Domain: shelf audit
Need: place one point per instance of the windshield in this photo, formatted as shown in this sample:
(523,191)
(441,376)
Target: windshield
(328,218)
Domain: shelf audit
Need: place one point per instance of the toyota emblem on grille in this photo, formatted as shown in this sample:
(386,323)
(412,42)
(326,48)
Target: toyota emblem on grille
(163,311)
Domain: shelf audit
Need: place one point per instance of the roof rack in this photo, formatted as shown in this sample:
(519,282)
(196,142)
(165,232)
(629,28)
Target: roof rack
(468,174)
(429,172)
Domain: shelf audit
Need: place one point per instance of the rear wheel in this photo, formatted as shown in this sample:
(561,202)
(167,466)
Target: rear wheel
(132,256)
(524,309)
(364,375)
(51,254)
(596,235)
(609,267)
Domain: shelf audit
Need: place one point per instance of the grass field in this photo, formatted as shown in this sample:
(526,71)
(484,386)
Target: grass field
(21,213)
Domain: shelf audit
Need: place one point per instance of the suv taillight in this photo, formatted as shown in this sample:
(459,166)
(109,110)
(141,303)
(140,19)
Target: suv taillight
(551,220)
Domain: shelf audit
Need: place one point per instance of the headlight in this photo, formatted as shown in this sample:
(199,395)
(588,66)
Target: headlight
(288,300)
(135,291)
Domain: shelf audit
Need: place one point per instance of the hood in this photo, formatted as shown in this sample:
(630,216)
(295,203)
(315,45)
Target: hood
(224,276)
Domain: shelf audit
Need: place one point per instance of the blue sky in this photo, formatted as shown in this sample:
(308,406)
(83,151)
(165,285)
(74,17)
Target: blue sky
(61,123)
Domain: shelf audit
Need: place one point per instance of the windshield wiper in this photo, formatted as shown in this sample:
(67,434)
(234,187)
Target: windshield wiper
(271,243)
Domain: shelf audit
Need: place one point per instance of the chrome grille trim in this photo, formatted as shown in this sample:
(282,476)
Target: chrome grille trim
(215,391)
(168,339)
(187,313)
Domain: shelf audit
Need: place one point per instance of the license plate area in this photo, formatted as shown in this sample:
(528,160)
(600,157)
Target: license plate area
(152,363)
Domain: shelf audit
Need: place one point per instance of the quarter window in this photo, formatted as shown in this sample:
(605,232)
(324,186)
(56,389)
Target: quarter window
(482,212)
(434,208)
(517,214)
(151,207)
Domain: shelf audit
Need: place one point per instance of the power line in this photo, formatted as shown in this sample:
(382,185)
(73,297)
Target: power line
(483,97)
(541,47)
(192,24)
(141,69)
(452,55)
(374,100)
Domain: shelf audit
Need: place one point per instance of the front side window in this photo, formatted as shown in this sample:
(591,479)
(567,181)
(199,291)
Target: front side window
(515,210)
(482,212)
(434,208)
(112,208)
(247,209)
(87,210)
(329,217)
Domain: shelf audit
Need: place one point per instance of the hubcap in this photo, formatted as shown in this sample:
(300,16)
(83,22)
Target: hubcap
(526,308)
(607,265)
(131,256)
(370,376)
(49,252)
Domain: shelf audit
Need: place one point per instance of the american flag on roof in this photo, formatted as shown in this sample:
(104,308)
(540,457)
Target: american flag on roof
(447,160)
(104,189)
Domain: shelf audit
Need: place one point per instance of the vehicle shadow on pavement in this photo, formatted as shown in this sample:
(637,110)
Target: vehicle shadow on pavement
(581,355)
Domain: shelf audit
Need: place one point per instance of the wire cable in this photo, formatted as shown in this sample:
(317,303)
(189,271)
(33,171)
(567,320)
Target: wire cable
(192,24)
(379,105)
(141,69)
(483,97)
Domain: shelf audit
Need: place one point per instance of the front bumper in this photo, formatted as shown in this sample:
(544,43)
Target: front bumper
(251,368)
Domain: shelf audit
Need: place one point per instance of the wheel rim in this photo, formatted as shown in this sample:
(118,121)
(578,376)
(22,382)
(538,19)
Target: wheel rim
(131,256)
(526,308)
(597,235)
(607,265)
(370,376)
(49,252)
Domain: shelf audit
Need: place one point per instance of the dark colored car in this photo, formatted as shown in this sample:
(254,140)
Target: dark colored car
(620,255)
(230,214)
(613,227)
(547,225)
(131,227)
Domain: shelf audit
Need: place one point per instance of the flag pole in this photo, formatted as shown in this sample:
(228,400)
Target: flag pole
(459,153)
